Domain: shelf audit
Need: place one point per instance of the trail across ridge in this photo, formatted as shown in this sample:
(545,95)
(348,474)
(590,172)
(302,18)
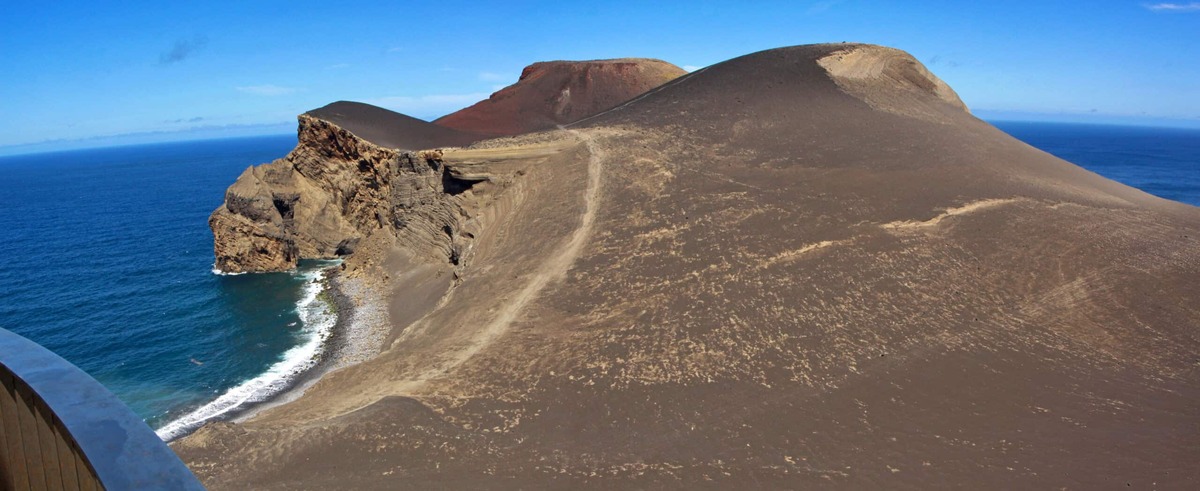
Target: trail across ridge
(553,269)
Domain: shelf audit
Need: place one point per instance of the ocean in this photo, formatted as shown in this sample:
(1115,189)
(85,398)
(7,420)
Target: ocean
(1164,162)
(109,263)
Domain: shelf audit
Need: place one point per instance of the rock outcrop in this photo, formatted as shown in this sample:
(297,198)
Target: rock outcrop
(560,92)
(335,189)
(357,169)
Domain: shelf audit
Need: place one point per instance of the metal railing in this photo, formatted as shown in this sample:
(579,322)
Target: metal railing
(60,429)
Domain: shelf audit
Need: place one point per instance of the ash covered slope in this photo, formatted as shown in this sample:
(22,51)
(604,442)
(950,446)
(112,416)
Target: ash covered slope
(559,92)
(805,267)
(390,129)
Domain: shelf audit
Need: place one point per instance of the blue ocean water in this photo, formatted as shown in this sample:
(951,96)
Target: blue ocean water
(109,262)
(1164,162)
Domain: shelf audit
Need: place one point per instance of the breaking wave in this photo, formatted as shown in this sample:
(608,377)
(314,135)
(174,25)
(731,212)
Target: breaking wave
(318,319)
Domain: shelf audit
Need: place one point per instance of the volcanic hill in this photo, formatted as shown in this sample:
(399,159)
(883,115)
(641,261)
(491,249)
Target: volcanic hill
(552,93)
(390,129)
(803,267)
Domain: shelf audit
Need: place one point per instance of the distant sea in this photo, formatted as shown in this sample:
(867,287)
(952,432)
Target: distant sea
(109,263)
(1164,162)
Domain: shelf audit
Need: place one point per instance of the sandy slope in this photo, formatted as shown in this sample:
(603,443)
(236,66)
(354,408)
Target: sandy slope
(767,273)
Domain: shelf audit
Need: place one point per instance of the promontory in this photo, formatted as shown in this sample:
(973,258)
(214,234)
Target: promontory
(804,267)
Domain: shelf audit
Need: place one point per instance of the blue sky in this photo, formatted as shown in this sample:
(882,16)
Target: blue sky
(92,73)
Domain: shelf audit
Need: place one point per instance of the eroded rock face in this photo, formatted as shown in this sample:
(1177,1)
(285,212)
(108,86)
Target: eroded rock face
(348,177)
(331,191)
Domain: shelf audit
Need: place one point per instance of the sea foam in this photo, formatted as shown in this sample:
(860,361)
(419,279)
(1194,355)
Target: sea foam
(218,272)
(318,321)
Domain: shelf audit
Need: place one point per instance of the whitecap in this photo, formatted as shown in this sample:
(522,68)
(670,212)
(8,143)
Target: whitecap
(318,321)
(218,272)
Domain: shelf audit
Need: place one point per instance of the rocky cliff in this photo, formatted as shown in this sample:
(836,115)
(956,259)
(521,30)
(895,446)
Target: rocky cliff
(357,170)
(333,190)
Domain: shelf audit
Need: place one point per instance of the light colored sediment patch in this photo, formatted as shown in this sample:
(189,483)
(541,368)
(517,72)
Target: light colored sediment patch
(795,254)
(367,326)
(962,210)
(888,79)
(525,150)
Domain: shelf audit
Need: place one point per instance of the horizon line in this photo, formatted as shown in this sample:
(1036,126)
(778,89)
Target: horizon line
(212,133)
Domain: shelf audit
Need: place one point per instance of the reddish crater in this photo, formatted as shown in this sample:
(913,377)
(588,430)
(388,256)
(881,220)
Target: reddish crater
(559,92)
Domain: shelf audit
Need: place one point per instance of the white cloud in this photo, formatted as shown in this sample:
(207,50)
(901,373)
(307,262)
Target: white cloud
(268,90)
(428,105)
(494,77)
(395,49)
(691,68)
(1174,7)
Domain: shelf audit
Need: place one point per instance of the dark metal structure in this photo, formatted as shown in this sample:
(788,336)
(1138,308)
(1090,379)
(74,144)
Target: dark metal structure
(61,429)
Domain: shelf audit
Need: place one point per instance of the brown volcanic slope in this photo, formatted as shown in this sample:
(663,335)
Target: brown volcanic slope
(805,267)
(559,92)
(390,129)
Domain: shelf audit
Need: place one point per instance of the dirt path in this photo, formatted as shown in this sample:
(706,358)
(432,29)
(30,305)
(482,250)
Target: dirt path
(475,338)
(553,269)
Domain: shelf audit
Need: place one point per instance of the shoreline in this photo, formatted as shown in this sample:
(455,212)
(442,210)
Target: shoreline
(356,335)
